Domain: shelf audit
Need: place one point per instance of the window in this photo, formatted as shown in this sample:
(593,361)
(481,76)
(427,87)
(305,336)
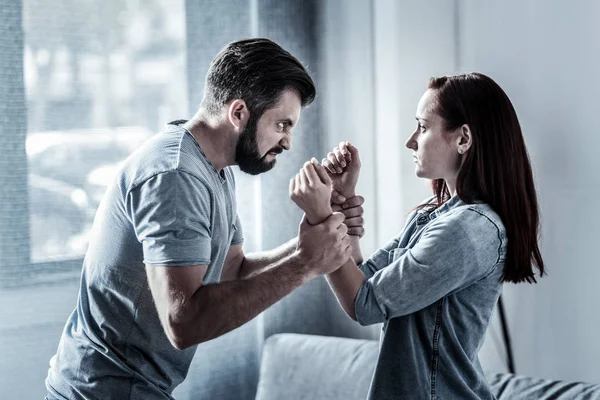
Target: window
(101,78)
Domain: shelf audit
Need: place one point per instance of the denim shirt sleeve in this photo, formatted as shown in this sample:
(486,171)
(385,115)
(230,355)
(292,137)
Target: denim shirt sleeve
(380,258)
(453,252)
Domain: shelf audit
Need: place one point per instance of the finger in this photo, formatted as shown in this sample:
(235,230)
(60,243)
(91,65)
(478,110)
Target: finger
(356,231)
(353,212)
(334,164)
(340,157)
(311,175)
(303,179)
(297,182)
(345,152)
(325,163)
(346,242)
(354,221)
(353,152)
(336,207)
(354,202)
(348,252)
(342,231)
(320,172)
(293,186)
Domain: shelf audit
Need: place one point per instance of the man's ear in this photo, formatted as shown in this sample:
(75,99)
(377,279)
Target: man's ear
(238,114)
(465,139)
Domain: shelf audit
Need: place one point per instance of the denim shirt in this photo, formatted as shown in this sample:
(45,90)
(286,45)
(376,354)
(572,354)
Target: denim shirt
(434,287)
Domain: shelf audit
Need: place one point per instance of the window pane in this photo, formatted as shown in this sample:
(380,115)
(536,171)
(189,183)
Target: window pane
(101,77)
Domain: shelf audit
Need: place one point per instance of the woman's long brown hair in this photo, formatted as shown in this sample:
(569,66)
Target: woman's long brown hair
(496,169)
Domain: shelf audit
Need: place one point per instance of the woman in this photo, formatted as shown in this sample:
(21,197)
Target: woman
(435,285)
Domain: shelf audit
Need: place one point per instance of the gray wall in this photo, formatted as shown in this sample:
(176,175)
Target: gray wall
(378,57)
(546,55)
(14,229)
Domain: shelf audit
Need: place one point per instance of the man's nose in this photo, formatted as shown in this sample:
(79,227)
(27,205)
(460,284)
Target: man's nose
(286,142)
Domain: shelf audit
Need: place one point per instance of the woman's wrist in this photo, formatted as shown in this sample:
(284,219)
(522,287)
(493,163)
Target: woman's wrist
(315,218)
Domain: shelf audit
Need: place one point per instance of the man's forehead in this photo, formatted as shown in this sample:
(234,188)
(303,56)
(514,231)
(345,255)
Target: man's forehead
(285,109)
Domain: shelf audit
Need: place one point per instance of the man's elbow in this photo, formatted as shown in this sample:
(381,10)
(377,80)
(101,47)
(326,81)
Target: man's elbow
(183,333)
(177,335)
(351,313)
(184,337)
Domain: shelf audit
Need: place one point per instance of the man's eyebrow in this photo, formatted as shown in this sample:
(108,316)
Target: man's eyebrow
(422,119)
(288,121)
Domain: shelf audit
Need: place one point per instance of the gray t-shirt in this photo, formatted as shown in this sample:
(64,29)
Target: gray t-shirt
(168,205)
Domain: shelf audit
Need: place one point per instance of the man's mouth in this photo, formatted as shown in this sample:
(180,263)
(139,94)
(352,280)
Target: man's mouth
(275,152)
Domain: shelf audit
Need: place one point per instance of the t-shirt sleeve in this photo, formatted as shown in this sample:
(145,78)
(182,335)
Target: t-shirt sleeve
(170,213)
(238,234)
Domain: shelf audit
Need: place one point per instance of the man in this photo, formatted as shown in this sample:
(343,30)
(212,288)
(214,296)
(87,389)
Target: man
(165,269)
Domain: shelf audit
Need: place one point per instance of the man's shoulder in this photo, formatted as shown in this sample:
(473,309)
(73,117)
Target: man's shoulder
(169,152)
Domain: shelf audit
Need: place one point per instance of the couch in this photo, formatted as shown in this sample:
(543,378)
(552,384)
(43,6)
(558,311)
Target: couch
(313,367)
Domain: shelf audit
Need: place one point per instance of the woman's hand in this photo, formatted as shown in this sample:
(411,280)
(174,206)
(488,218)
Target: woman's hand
(343,166)
(310,189)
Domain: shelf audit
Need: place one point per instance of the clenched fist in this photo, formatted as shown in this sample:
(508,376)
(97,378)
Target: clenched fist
(310,189)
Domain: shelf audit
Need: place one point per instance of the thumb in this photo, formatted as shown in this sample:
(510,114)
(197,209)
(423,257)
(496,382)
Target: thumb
(337,198)
(337,218)
(354,152)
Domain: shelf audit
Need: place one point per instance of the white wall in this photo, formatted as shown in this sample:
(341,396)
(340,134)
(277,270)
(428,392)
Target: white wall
(546,56)
(378,56)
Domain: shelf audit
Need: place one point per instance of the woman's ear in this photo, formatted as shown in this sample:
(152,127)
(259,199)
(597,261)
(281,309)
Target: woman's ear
(238,114)
(465,139)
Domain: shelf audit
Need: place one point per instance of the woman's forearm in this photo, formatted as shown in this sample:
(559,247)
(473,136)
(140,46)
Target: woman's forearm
(356,252)
(345,283)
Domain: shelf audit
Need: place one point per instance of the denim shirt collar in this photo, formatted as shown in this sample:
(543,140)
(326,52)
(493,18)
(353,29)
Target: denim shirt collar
(426,214)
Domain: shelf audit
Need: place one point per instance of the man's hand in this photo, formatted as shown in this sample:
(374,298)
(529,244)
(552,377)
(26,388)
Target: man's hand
(353,211)
(343,166)
(324,247)
(310,189)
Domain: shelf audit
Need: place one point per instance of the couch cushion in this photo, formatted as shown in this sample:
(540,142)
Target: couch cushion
(309,367)
(517,387)
(296,367)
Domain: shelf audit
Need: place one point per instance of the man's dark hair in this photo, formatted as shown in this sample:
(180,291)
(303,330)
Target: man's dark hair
(257,71)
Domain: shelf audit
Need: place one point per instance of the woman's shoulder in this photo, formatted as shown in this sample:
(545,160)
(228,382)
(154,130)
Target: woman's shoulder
(479,218)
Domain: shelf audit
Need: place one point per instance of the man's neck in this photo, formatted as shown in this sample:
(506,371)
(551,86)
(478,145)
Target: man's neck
(217,143)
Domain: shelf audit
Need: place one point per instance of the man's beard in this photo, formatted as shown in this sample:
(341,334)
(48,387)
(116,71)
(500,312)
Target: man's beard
(247,154)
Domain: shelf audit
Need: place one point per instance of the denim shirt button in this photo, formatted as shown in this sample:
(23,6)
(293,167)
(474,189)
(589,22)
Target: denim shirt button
(422,219)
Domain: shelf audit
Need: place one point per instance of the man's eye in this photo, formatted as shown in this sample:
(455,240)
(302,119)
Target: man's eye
(421,128)
(281,126)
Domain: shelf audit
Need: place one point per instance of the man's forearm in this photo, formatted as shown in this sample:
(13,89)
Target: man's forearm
(345,283)
(216,309)
(255,263)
